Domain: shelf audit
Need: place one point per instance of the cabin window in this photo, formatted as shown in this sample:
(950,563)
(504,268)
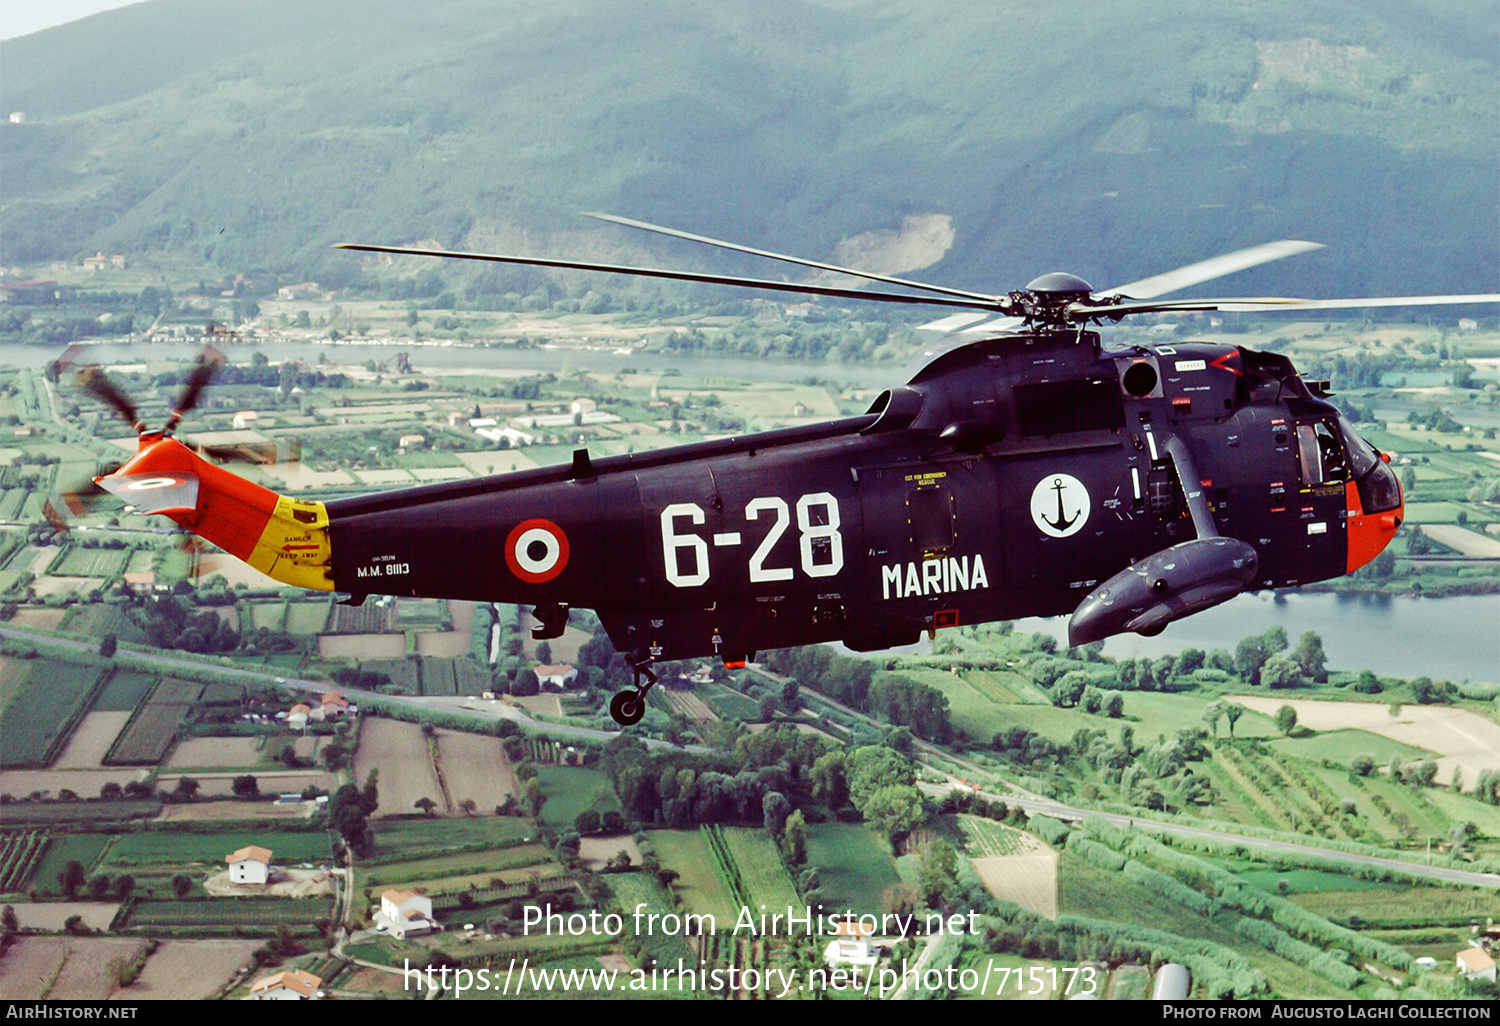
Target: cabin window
(930,514)
(1320,454)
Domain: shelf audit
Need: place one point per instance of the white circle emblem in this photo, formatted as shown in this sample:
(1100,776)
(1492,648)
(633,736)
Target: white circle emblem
(551,550)
(150,484)
(1060,505)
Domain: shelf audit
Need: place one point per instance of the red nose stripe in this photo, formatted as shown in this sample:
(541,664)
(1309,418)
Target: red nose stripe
(1369,534)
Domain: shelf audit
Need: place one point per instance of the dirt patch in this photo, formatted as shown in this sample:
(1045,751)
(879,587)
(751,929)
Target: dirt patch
(1470,543)
(1028,880)
(47,619)
(85,975)
(203,812)
(215,751)
(50,916)
(564,649)
(1461,738)
(84,783)
(475,766)
(285,883)
(29,965)
(920,242)
(616,964)
(450,644)
(91,740)
(547,705)
(180,970)
(596,851)
(366,981)
(362,646)
(49,585)
(399,751)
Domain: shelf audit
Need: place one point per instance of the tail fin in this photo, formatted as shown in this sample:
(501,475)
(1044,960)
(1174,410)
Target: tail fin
(285,539)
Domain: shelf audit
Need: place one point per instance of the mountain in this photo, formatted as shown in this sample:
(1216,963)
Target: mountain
(1111,139)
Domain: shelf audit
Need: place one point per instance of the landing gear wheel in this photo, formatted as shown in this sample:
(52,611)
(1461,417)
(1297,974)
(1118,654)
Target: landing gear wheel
(627,707)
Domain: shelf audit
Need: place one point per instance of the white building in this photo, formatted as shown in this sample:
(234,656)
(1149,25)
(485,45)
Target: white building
(404,914)
(582,406)
(559,675)
(250,864)
(287,985)
(1476,964)
(851,945)
(245,419)
(1173,983)
(296,716)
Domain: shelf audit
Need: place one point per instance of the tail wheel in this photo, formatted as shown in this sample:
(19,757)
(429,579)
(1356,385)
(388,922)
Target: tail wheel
(627,707)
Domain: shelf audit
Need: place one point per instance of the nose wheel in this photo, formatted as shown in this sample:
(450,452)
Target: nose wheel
(628,706)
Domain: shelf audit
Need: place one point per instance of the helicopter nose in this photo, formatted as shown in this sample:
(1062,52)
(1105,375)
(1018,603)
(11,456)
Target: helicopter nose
(1370,533)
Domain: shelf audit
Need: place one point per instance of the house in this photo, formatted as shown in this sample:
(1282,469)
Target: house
(1476,964)
(302,290)
(97,262)
(250,864)
(413,441)
(404,914)
(334,704)
(851,945)
(245,419)
(18,117)
(140,581)
(1468,324)
(287,985)
(557,675)
(296,716)
(582,406)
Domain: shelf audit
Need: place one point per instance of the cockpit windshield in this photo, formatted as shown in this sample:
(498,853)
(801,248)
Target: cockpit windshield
(1362,455)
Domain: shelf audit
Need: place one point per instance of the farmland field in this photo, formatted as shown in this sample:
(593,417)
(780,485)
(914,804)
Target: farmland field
(65,848)
(728,703)
(52,916)
(569,791)
(145,741)
(207,811)
(470,863)
(20,854)
(62,968)
(227,913)
(475,766)
(984,838)
(764,876)
(399,751)
(633,889)
(400,840)
(123,691)
(82,562)
(174,848)
(189,970)
(216,751)
(855,871)
(698,882)
(91,740)
(220,783)
(32,721)
(1028,880)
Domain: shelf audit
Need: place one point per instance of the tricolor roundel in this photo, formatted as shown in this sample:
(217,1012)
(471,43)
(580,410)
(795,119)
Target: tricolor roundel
(536,550)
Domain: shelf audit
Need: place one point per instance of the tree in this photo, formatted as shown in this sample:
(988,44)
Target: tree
(938,877)
(1115,707)
(186,789)
(427,805)
(1232,712)
(469,807)
(544,653)
(1363,764)
(181,884)
(1286,719)
(245,786)
(1280,671)
(775,809)
(125,884)
(72,877)
(107,645)
(121,973)
(829,786)
(1425,772)
(794,838)
(99,886)
(895,810)
(1212,713)
(1310,658)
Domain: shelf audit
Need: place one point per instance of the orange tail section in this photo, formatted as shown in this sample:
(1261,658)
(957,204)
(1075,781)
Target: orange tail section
(283,538)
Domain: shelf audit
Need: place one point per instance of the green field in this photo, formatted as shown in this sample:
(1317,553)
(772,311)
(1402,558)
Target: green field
(984,838)
(33,722)
(477,863)
(82,562)
(728,703)
(162,848)
(1342,746)
(569,790)
(411,839)
(123,691)
(303,618)
(761,870)
(65,848)
(698,883)
(229,913)
(633,889)
(855,871)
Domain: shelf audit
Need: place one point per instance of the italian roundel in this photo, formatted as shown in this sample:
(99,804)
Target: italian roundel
(536,550)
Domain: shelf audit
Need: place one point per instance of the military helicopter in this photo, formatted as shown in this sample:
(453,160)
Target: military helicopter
(1023,469)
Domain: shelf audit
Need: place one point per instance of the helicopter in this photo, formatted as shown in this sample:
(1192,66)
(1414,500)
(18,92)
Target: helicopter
(1023,469)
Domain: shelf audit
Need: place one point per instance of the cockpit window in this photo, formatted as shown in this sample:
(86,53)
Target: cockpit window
(1362,455)
(1321,455)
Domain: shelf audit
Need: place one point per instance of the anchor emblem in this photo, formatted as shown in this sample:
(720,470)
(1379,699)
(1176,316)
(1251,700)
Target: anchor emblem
(1060,505)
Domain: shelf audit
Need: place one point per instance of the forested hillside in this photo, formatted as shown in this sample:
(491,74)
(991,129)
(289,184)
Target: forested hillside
(1114,139)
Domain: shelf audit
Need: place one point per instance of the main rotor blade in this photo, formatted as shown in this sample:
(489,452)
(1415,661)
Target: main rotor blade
(1083,311)
(1207,270)
(870,275)
(201,374)
(653,272)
